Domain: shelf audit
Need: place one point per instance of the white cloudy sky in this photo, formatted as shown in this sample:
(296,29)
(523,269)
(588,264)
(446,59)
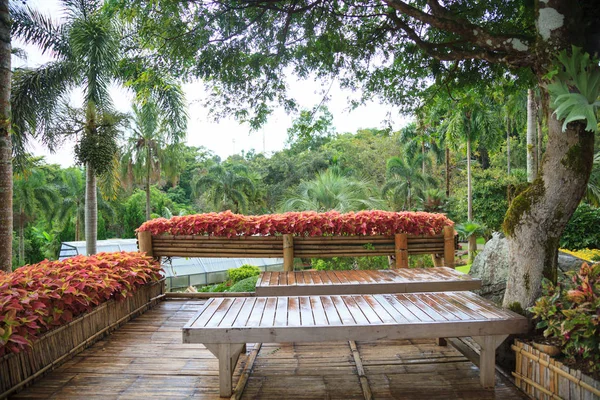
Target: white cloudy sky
(227,136)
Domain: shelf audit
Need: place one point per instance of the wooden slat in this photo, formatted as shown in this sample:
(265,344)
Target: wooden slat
(244,314)
(293,311)
(306,313)
(333,318)
(343,311)
(318,311)
(268,316)
(257,311)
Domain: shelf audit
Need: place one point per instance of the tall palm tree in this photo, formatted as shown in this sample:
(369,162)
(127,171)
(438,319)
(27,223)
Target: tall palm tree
(330,190)
(72,194)
(88,54)
(227,184)
(6,175)
(472,119)
(406,181)
(147,147)
(32,195)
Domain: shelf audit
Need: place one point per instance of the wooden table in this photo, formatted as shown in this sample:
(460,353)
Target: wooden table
(403,280)
(225,325)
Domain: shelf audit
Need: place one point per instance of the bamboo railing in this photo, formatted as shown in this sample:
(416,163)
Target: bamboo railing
(401,245)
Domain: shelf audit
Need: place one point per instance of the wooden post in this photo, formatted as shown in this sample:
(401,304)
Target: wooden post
(288,252)
(487,358)
(401,250)
(228,354)
(145,242)
(449,246)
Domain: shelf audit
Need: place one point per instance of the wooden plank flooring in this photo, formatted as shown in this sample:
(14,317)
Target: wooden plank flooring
(146,359)
(403,280)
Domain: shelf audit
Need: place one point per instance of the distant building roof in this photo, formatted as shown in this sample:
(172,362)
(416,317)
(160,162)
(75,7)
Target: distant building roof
(177,267)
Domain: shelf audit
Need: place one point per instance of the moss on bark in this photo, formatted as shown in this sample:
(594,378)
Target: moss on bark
(521,205)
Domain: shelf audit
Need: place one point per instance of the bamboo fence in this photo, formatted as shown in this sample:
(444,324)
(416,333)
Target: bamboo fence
(542,377)
(442,246)
(58,345)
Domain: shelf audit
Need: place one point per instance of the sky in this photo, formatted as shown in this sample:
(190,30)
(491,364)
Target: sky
(226,136)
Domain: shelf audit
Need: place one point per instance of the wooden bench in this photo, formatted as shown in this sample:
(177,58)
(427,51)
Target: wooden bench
(403,280)
(225,325)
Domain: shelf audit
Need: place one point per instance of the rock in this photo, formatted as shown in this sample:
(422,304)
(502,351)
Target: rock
(568,262)
(491,266)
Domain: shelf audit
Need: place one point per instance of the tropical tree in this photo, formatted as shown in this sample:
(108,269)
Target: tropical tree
(406,181)
(147,144)
(33,195)
(89,54)
(6,174)
(227,185)
(72,194)
(331,190)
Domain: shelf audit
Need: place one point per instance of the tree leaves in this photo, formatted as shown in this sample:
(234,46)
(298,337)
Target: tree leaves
(575,89)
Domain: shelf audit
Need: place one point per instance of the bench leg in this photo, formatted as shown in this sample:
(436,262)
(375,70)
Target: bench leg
(228,354)
(487,358)
(441,341)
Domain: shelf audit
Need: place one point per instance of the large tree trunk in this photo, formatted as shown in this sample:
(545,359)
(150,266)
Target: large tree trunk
(91,211)
(6,183)
(537,217)
(148,170)
(531,135)
(507,144)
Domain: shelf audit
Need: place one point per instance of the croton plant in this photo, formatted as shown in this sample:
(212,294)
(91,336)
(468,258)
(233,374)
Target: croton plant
(307,223)
(36,298)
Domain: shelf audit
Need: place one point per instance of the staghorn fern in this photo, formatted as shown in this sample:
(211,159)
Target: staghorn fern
(575,89)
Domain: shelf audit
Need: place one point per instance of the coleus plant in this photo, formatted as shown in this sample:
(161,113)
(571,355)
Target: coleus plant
(307,223)
(36,298)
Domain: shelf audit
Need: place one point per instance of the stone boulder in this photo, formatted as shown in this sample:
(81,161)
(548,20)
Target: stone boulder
(491,266)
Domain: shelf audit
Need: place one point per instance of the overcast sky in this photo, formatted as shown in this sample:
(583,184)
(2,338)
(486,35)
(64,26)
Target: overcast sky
(227,136)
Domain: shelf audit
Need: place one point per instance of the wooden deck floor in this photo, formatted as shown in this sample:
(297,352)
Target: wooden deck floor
(146,359)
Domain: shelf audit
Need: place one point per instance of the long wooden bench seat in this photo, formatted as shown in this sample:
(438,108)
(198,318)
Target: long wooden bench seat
(225,325)
(403,280)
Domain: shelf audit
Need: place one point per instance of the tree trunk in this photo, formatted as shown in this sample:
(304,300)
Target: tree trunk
(469,196)
(148,170)
(537,217)
(423,155)
(77,227)
(21,237)
(540,136)
(447,171)
(91,211)
(508,145)
(6,182)
(531,135)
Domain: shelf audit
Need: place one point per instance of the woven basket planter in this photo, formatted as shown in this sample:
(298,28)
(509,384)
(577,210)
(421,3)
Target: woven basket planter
(57,346)
(542,377)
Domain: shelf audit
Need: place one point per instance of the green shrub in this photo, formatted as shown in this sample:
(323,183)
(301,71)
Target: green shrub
(245,285)
(243,272)
(582,230)
(570,313)
(420,261)
(219,287)
(347,263)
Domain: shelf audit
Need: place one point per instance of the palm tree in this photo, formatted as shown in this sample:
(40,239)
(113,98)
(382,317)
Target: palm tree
(406,181)
(146,147)
(473,118)
(88,52)
(331,190)
(72,193)
(227,184)
(6,175)
(32,195)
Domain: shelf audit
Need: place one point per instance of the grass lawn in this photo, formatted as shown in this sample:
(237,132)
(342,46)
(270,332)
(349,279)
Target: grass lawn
(464,268)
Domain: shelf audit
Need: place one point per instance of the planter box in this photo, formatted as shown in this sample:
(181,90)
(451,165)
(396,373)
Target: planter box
(542,377)
(62,343)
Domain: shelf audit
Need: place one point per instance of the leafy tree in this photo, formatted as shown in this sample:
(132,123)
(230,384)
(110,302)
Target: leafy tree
(227,185)
(88,50)
(147,146)
(311,129)
(332,191)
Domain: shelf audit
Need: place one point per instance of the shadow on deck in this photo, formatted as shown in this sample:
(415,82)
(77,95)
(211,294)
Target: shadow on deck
(146,359)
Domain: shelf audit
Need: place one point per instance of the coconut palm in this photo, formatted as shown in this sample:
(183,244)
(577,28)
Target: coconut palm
(330,190)
(72,194)
(405,181)
(146,147)
(89,54)
(227,185)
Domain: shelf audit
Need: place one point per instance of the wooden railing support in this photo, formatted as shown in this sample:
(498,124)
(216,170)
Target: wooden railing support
(145,242)
(288,252)
(401,250)
(449,246)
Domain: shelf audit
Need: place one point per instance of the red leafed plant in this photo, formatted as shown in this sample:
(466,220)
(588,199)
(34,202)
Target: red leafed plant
(307,223)
(36,298)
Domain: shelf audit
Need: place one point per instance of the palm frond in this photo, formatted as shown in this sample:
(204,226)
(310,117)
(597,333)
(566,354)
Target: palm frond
(35,28)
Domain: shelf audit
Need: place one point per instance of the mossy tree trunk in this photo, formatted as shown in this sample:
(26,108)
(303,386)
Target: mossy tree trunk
(537,217)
